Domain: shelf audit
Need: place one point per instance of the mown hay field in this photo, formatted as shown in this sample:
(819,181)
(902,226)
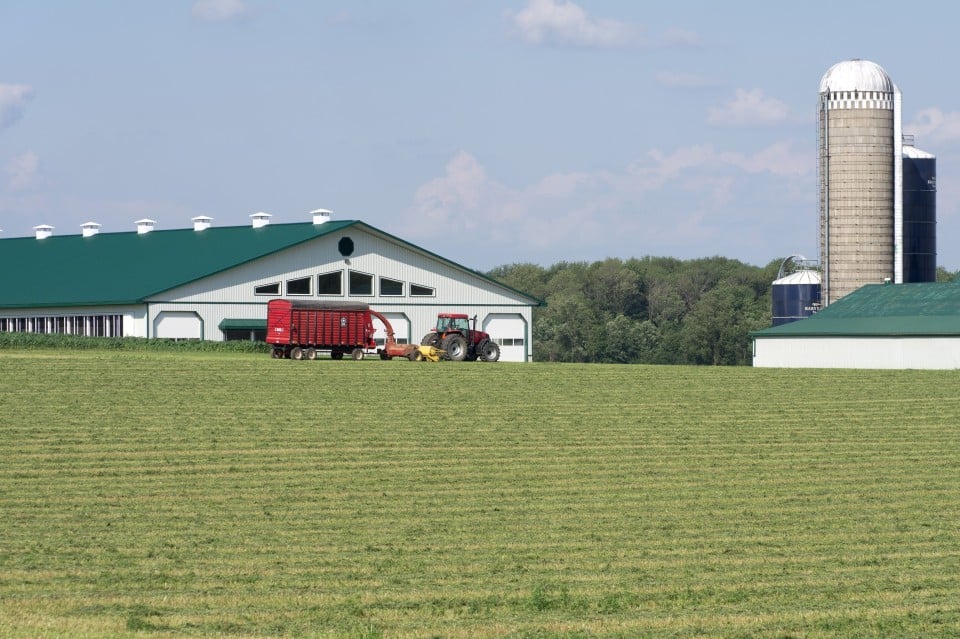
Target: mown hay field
(159,494)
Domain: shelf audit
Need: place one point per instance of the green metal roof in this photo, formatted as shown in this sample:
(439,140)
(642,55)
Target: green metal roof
(130,267)
(126,268)
(242,324)
(882,309)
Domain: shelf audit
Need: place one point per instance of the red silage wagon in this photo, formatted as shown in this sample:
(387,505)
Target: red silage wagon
(299,329)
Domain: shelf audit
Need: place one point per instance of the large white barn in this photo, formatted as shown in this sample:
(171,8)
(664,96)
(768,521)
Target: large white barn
(213,283)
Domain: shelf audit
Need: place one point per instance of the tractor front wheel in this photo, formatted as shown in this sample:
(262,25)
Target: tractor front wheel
(455,347)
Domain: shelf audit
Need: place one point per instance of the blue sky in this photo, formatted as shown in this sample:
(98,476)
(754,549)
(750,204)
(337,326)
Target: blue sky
(487,131)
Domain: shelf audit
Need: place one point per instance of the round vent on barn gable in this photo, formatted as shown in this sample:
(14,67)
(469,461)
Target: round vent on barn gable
(345,246)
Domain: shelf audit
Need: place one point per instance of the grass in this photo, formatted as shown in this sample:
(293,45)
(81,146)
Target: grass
(162,494)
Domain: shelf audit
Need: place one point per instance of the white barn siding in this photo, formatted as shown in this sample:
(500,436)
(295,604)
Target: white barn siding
(178,325)
(76,320)
(858,352)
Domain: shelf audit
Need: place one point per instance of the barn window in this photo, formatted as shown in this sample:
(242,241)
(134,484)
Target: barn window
(390,287)
(300,286)
(330,283)
(361,283)
(421,291)
(267,289)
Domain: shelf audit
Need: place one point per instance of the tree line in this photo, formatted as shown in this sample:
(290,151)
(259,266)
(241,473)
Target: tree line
(650,310)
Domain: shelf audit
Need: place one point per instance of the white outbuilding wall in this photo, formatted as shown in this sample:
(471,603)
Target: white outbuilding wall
(895,352)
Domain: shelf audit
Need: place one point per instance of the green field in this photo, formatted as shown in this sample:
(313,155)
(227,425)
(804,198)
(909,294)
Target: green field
(162,494)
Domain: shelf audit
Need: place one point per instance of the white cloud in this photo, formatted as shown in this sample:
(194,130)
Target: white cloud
(666,203)
(13,98)
(749,108)
(935,125)
(218,10)
(563,22)
(778,159)
(22,172)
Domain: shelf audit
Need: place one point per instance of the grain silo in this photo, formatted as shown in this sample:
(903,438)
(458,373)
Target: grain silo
(860,138)
(919,194)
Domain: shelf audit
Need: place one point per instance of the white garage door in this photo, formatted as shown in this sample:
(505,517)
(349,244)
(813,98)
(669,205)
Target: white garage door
(177,325)
(510,332)
(401,328)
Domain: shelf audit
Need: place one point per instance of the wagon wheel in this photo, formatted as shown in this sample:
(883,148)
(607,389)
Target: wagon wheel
(310,353)
(296,353)
(357,354)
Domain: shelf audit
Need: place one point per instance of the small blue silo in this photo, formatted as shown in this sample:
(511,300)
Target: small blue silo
(796,296)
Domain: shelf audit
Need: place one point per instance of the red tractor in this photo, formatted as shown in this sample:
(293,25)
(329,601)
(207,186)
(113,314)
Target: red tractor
(457,336)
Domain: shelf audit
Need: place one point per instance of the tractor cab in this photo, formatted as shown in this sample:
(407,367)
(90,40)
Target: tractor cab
(449,322)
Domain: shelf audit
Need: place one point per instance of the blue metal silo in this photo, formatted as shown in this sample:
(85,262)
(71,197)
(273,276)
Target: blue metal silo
(919,215)
(796,296)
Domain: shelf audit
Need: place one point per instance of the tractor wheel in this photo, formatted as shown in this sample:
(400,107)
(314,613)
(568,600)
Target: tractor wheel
(357,354)
(431,339)
(489,351)
(455,347)
(336,354)
(296,353)
(310,353)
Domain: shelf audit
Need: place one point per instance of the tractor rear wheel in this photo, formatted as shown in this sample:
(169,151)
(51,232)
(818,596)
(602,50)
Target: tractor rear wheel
(489,351)
(431,339)
(455,347)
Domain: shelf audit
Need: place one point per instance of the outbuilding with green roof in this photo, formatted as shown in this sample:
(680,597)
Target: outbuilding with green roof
(213,283)
(877,326)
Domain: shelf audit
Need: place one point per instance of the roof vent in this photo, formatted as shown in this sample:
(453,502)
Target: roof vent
(260,219)
(43,231)
(201,222)
(89,229)
(145,226)
(321,216)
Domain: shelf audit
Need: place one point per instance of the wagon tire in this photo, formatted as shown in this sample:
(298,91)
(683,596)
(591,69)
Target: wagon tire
(277,353)
(357,354)
(310,353)
(296,353)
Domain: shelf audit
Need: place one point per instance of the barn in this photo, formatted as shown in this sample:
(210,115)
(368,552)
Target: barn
(877,326)
(213,283)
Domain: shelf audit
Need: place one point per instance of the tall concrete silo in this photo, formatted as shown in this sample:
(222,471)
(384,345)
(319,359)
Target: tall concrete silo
(860,146)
